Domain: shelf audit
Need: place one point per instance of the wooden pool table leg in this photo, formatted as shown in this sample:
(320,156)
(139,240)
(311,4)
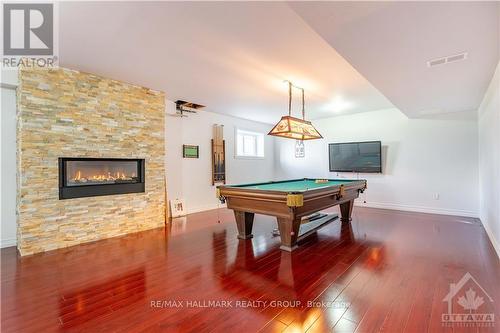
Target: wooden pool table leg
(289,232)
(244,222)
(346,211)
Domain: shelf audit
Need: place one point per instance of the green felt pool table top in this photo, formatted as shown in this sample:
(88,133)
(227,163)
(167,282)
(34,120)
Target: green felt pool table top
(296,185)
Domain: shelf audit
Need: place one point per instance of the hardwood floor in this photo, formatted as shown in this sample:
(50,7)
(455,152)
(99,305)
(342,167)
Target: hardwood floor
(388,271)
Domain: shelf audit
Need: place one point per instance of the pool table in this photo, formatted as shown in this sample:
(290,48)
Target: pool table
(289,201)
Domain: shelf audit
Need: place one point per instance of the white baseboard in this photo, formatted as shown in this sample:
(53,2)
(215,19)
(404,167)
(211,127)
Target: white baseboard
(391,206)
(419,209)
(493,241)
(7,242)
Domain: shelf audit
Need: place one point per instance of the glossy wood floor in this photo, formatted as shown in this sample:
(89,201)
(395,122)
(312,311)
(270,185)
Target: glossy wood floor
(389,271)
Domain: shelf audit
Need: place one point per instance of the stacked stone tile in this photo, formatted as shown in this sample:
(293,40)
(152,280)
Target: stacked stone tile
(66,113)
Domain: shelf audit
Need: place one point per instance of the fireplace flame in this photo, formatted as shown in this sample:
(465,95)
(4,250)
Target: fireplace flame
(102,177)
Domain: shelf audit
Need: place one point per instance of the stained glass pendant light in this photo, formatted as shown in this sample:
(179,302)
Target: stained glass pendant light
(295,128)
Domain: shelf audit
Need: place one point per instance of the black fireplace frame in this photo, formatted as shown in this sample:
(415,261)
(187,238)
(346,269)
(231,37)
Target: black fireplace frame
(82,191)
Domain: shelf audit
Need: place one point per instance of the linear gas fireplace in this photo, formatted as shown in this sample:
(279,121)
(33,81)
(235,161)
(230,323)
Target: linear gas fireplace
(88,177)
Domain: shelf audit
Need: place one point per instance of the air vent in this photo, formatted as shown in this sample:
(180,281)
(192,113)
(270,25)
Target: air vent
(436,62)
(447,60)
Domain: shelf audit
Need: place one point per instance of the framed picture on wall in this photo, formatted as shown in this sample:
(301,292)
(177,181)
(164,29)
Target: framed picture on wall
(190,151)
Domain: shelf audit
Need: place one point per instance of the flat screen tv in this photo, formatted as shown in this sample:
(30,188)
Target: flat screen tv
(356,157)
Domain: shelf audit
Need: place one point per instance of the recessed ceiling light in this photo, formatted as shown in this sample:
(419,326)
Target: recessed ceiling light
(447,59)
(338,104)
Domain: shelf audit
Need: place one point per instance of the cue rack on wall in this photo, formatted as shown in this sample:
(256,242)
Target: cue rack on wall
(218,155)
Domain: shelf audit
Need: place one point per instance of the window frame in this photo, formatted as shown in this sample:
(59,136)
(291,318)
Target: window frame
(257,135)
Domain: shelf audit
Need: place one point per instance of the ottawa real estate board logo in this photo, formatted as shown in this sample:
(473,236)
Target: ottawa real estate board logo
(28,35)
(468,305)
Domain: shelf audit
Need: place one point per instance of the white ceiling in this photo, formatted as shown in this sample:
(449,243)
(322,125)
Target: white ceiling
(233,57)
(391,42)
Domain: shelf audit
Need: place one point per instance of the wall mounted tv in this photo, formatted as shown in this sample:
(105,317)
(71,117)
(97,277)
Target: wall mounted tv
(356,157)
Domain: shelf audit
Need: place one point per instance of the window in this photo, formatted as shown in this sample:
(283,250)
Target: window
(249,144)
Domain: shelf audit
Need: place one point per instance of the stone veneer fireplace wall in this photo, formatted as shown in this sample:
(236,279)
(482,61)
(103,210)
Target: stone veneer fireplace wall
(66,113)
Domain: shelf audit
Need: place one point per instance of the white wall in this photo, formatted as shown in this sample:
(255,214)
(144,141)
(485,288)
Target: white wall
(8,167)
(489,161)
(190,179)
(421,158)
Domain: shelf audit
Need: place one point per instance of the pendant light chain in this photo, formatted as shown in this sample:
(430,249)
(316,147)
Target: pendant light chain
(303,108)
(290,86)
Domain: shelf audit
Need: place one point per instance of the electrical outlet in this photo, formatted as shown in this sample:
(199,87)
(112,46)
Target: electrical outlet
(436,196)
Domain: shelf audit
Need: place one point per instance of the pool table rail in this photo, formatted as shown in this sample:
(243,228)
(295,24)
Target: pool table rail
(287,206)
(291,198)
